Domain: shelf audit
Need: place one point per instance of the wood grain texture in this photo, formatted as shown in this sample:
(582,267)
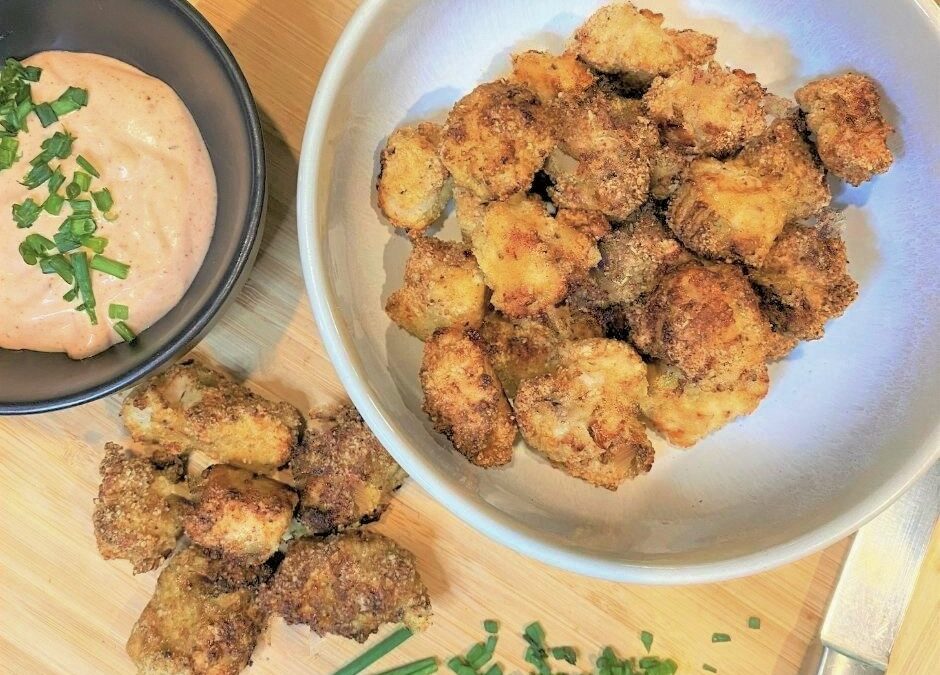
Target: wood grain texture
(64,610)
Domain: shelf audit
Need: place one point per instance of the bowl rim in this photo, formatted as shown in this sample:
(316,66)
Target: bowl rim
(184,339)
(482,516)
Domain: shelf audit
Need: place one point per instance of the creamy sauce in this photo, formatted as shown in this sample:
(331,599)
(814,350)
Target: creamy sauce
(143,141)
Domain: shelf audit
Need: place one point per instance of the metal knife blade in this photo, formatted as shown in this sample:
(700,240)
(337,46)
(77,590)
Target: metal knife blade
(876,584)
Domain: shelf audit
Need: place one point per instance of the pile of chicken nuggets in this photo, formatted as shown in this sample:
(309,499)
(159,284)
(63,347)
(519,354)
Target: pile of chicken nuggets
(643,230)
(244,542)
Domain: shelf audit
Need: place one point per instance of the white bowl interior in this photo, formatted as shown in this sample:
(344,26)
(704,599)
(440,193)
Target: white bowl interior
(849,421)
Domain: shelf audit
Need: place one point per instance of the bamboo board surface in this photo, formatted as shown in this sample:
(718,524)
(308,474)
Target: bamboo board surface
(64,610)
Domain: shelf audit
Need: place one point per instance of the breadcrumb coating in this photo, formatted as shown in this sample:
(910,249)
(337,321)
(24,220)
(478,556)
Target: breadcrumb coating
(139,511)
(240,515)
(464,398)
(851,132)
(443,287)
(496,138)
(666,167)
(344,474)
(470,211)
(583,416)
(349,584)
(413,185)
(549,75)
(619,38)
(204,617)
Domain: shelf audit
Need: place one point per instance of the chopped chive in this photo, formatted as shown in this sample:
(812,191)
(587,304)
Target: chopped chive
(83,279)
(565,654)
(57,264)
(65,242)
(475,655)
(72,190)
(708,668)
(82,179)
(647,639)
(754,623)
(8,148)
(80,207)
(108,266)
(31,73)
(125,332)
(87,166)
(71,294)
(667,667)
(374,653)
(71,100)
(23,109)
(103,200)
(25,214)
(422,667)
(495,669)
(535,634)
(96,244)
(491,626)
(721,637)
(47,116)
(37,176)
(56,180)
(649,662)
(118,312)
(28,255)
(81,226)
(457,665)
(53,204)
(59,144)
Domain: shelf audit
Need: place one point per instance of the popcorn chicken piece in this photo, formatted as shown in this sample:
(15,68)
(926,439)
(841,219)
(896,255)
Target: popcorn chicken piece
(548,75)
(140,506)
(413,185)
(495,139)
(191,407)
(349,584)
(734,210)
(240,515)
(666,168)
(470,212)
(344,474)
(705,320)
(464,399)
(803,282)
(708,109)
(602,163)
(685,411)
(851,133)
(619,38)
(584,416)
(443,287)
(204,618)
(528,258)
(592,223)
(524,348)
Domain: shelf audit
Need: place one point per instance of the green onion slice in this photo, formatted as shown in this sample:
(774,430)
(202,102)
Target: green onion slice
(56,180)
(82,225)
(96,244)
(125,332)
(491,626)
(754,623)
(38,175)
(59,144)
(82,179)
(721,637)
(80,207)
(71,294)
(565,654)
(647,639)
(57,264)
(377,651)
(25,214)
(108,266)
(103,200)
(53,204)
(422,667)
(87,166)
(116,311)
(83,279)
(65,242)
(709,668)
(47,116)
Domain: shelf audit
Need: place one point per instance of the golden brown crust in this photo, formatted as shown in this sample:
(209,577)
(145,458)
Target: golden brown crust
(349,584)
(192,407)
(705,320)
(464,398)
(345,475)
(495,139)
(524,348)
(734,210)
(619,38)
(528,258)
(549,75)
(666,167)
(443,287)
(851,133)
(684,411)
(240,515)
(413,185)
(470,211)
(707,109)
(204,618)
(584,415)
(140,507)
(804,281)
(592,223)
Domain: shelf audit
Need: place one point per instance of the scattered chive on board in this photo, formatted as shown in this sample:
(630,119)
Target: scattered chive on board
(721,637)
(647,639)
(491,626)
(711,669)
(754,623)
(374,653)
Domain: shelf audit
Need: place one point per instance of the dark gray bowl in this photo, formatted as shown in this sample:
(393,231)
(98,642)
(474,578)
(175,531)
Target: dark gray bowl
(172,41)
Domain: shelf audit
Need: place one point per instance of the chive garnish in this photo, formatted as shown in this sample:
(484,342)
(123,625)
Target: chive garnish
(667,667)
(72,190)
(83,279)
(565,654)
(87,166)
(125,332)
(71,100)
(53,204)
(34,247)
(82,179)
(71,294)
(80,207)
(457,665)
(23,109)
(118,312)
(754,623)
(96,244)
(81,225)
(25,214)
(65,242)
(56,180)
(708,668)
(38,175)
(374,653)
(495,669)
(9,146)
(422,667)
(647,639)
(103,200)
(59,265)
(59,144)
(721,637)
(31,73)
(108,266)
(649,662)
(491,626)
(47,116)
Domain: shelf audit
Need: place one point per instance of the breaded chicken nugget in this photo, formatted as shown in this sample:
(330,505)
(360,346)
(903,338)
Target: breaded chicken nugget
(709,110)
(620,38)
(602,163)
(344,474)
(684,411)
(204,617)
(705,320)
(734,210)
(443,287)
(525,348)
(496,138)
(464,399)
(191,407)
(803,282)
(413,185)
(851,133)
(666,167)
(584,415)
(530,259)
(549,75)
(593,223)
(240,515)
(349,584)
(139,511)
(470,211)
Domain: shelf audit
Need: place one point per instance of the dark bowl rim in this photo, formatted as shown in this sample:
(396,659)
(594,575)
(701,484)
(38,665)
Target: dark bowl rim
(184,339)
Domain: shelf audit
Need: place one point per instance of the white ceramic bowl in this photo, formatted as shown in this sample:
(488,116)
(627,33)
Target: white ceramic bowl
(850,420)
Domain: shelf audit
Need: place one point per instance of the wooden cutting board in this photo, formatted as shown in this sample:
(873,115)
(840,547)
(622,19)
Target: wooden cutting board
(64,610)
